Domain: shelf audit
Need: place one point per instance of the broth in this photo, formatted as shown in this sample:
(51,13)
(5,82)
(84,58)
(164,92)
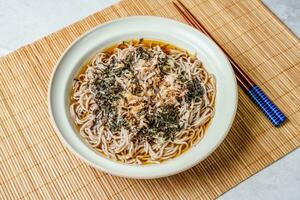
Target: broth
(177,138)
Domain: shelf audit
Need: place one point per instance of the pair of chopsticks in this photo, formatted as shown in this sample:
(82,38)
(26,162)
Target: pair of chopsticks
(270,110)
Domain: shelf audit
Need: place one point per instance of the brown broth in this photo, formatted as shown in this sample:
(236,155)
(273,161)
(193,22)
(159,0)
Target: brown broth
(166,47)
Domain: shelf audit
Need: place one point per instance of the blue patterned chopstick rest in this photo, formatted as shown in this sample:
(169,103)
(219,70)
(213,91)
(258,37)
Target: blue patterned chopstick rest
(266,105)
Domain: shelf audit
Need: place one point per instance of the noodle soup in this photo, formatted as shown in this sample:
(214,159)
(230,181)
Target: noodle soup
(142,101)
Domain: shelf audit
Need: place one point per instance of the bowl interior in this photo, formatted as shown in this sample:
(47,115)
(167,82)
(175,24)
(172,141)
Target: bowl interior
(160,29)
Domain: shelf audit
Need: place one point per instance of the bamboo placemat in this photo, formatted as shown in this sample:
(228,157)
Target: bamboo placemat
(35,164)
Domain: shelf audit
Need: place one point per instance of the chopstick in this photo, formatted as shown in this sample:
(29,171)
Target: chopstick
(270,110)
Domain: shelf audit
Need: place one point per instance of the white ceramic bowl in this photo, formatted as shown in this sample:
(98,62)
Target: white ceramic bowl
(156,28)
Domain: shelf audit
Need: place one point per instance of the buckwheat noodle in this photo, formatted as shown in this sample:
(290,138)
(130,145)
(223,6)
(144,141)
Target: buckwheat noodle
(141,103)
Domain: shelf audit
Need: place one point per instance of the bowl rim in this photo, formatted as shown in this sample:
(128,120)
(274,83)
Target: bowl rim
(117,173)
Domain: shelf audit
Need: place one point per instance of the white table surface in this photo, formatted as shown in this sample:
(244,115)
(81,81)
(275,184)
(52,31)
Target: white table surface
(24,21)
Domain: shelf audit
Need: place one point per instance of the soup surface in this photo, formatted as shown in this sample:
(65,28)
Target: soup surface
(142,101)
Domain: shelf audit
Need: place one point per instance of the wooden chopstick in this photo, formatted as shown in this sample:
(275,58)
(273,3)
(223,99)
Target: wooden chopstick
(271,111)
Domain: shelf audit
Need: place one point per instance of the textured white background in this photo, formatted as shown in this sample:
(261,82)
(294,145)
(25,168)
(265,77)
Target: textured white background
(23,21)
